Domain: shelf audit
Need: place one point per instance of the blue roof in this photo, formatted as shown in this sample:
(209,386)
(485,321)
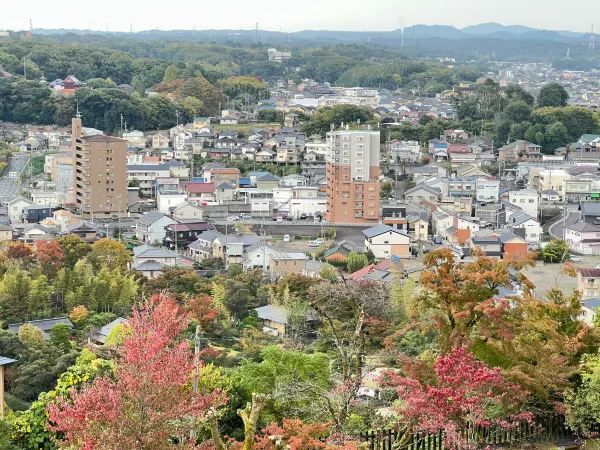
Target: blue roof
(592,303)
(245,181)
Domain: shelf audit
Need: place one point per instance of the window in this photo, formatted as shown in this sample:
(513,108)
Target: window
(345,161)
(360,146)
(345,153)
(359,170)
(359,162)
(359,154)
(360,138)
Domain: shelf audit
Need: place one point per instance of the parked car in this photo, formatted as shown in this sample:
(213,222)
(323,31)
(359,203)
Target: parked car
(289,218)
(303,216)
(279,219)
(314,244)
(246,216)
(233,219)
(286,238)
(575,259)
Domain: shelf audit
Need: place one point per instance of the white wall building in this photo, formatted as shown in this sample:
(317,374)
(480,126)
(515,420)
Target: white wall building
(527,199)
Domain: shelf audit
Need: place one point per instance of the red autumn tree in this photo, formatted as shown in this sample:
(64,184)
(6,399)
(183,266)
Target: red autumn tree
(149,401)
(202,311)
(20,252)
(49,255)
(462,391)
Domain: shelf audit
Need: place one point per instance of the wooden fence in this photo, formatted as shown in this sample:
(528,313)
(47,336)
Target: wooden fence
(544,428)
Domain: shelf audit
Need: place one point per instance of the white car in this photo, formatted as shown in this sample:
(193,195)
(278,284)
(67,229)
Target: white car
(246,216)
(286,238)
(233,219)
(314,244)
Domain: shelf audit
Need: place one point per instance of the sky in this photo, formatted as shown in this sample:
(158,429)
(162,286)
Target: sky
(275,15)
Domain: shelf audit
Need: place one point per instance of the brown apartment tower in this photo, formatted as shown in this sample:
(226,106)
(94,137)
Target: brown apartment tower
(100,165)
(353,176)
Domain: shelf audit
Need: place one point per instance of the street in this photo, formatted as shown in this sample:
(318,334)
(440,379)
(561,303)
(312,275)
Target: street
(572,216)
(9,187)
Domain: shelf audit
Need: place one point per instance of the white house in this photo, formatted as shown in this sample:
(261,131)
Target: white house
(16,208)
(588,310)
(487,190)
(385,241)
(151,226)
(583,238)
(258,255)
(167,200)
(527,199)
(527,227)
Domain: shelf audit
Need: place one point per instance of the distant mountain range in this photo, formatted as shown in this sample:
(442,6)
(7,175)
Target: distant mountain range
(484,30)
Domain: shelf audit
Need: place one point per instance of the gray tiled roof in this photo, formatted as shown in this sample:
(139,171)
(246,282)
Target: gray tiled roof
(150,217)
(380,229)
(42,324)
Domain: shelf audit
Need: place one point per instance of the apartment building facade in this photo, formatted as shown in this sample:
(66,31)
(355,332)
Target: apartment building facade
(100,173)
(353,176)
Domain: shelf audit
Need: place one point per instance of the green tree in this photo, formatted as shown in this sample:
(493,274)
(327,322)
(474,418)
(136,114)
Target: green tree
(14,295)
(556,251)
(356,261)
(39,298)
(552,94)
(74,249)
(321,121)
(59,337)
(110,254)
(292,378)
(30,334)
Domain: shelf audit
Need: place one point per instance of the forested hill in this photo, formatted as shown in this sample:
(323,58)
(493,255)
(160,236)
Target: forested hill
(193,78)
(483,41)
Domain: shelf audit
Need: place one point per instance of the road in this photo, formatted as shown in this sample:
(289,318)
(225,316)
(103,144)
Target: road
(9,187)
(556,229)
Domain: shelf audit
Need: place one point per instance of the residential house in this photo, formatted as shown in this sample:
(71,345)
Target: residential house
(166,200)
(456,135)
(422,192)
(588,282)
(527,227)
(84,230)
(339,252)
(520,151)
(188,211)
(6,232)
(150,227)
(490,245)
(590,212)
(45,325)
(99,337)
(514,248)
(151,261)
(385,241)
(258,256)
(293,180)
(527,199)
(418,228)
(312,269)
(267,182)
(583,238)
(16,209)
(275,320)
(405,152)
(200,192)
(487,190)
(232,248)
(287,263)
(589,308)
(202,247)
(180,235)
(223,175)
(225,192)
(34,232)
